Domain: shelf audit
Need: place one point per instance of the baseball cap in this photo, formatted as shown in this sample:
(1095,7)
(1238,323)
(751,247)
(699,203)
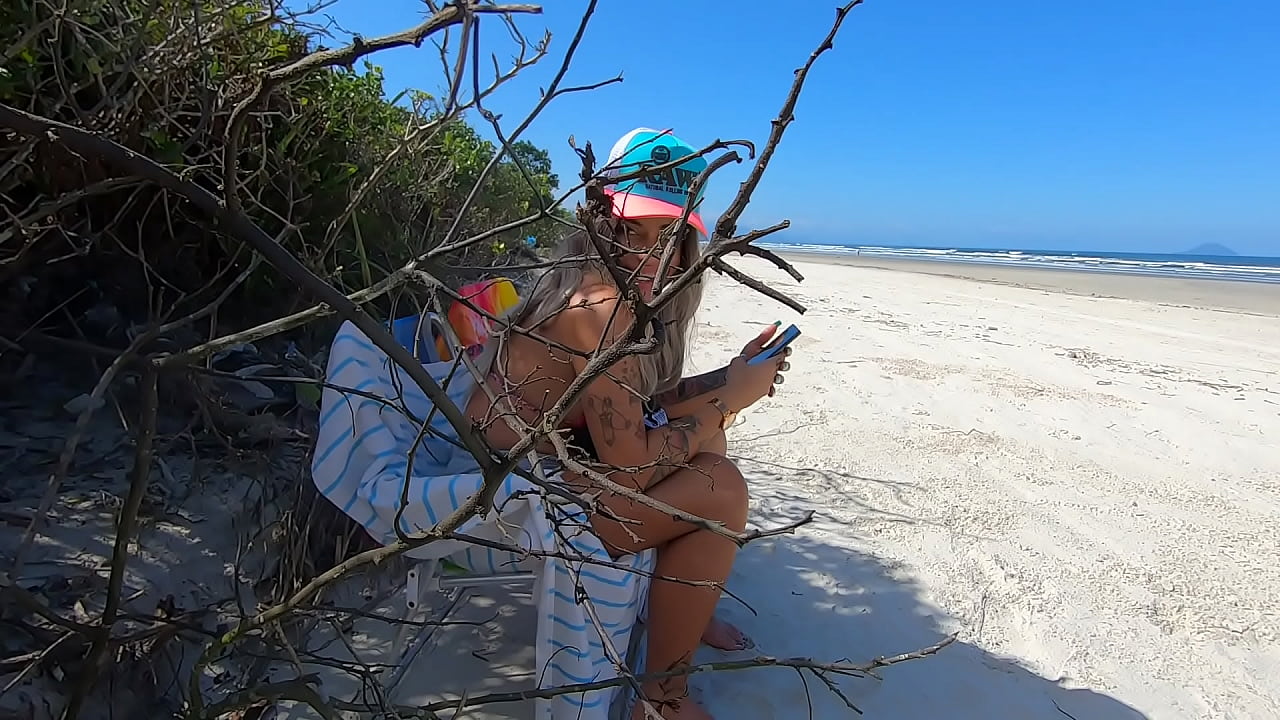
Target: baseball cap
(660,194)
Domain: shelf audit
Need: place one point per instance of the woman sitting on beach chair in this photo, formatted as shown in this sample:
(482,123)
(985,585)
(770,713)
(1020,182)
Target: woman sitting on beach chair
(681,462)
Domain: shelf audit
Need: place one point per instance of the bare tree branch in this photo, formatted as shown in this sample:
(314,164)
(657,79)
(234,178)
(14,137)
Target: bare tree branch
(727,225)
(239,226)
(269,624)
(125,527)
(452,14)
(762,661)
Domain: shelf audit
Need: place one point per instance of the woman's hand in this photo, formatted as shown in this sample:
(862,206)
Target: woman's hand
(759,342)
(746,384)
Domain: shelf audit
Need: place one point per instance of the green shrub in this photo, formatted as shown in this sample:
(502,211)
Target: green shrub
(162,78)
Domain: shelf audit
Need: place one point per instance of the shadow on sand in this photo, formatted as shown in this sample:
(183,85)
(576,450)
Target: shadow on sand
(817,600)
(814,597)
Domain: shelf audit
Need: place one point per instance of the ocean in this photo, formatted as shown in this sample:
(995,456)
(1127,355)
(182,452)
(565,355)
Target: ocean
(1208,267)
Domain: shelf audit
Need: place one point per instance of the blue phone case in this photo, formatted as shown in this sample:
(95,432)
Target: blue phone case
(778,345)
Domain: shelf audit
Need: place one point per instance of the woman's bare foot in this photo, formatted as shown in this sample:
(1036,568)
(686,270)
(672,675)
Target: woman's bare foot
(724,636)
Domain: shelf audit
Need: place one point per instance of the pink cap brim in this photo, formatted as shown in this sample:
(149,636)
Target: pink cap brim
(634,207)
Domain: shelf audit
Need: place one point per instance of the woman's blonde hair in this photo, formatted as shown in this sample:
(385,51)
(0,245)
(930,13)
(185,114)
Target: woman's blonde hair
(576,262)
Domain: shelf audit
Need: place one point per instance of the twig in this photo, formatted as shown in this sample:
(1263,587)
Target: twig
(723,240)
(743,245)
(725,268)
(727,225)
(676,229)
(451,15)
(835,690)
(761,661)
(552,91)
(63,467)
(279,325)
(296,690)
(35,661)
(774,532)
(26,601)
(71,198)
(124,533)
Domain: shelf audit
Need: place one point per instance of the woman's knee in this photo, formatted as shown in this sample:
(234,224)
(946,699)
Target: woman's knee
(728,487)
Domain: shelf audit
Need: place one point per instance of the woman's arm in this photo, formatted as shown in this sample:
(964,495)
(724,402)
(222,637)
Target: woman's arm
(691,392)
(615,414)
(615,419)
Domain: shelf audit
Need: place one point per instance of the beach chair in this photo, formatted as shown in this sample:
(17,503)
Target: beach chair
(426,335)
(429,573)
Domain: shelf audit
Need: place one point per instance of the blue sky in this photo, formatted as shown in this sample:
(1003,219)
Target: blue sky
(1103,125)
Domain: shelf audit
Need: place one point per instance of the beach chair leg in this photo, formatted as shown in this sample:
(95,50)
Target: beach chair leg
(418,578)
(421,579)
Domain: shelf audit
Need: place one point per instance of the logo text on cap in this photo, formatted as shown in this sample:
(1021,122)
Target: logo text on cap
(670,180)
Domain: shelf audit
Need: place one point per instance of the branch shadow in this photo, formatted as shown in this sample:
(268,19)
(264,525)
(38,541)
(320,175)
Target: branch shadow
(815,597)
(813,594)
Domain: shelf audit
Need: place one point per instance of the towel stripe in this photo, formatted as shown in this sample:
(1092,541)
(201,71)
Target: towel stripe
(362,453)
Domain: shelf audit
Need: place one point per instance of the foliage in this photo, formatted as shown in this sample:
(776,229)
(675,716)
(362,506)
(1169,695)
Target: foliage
(162,77)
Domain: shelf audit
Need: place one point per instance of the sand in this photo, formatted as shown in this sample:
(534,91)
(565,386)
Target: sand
(1081,486)
(1076,474)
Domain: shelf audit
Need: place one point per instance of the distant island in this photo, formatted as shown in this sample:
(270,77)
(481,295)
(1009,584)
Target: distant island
(1210,249)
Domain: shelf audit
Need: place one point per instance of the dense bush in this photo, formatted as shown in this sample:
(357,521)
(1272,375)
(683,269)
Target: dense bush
(162,77)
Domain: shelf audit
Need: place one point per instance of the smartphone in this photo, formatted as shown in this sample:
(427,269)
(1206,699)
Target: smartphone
(778,345)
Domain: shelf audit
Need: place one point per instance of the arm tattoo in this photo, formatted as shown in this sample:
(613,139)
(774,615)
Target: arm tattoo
(612,419)
(606,421)
(627,374)
(695,386)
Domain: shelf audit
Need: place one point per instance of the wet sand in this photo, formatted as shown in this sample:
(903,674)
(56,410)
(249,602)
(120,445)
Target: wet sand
(1263,298)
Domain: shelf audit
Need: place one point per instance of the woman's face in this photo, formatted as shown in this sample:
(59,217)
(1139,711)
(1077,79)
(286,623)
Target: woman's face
(641,253)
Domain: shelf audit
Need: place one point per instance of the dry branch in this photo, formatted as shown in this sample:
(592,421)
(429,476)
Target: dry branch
(236,224)
(552,91)
(452,14)
(125,527)
(727,225)
(231,220)
(762,661)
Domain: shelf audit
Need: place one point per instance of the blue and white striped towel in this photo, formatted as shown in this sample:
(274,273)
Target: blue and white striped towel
(361,461)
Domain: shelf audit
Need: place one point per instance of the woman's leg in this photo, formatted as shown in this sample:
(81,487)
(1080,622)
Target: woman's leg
(719,634)
(714,489)
(717,445)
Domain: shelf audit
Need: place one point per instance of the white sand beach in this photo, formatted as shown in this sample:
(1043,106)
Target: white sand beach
(1086,489)
(1076,473)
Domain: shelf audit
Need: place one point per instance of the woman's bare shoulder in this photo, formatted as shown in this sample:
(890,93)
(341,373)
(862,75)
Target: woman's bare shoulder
(594,311)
